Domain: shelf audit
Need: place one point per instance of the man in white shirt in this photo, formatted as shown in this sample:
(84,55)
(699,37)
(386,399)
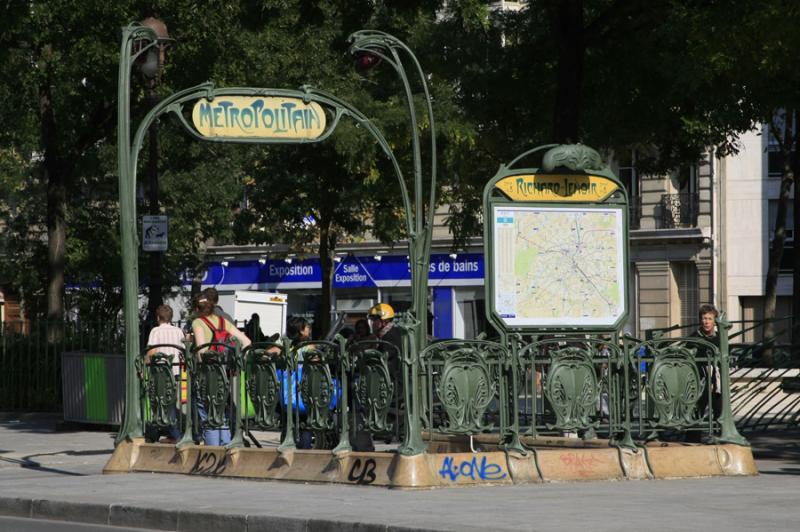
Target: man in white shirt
(166,333)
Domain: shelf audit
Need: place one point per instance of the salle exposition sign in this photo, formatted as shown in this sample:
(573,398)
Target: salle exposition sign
(351,272)
(270,117)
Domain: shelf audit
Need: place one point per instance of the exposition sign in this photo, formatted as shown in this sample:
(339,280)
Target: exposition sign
(548,187)
(264,117)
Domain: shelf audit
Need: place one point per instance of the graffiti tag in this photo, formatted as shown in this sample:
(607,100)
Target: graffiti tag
(208,464)
(362,475)
(471,469)
(583,465)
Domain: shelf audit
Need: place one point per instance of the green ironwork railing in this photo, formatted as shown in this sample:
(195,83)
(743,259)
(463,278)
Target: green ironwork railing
(526,388)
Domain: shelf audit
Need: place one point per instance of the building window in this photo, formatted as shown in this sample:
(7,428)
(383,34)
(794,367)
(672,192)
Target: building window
(773,215)
(685,294)
(775,158)
(626,161)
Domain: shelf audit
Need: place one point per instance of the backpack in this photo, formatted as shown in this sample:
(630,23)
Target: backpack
(220,336)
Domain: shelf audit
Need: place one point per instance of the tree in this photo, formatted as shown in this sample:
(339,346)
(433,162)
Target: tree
(61,112)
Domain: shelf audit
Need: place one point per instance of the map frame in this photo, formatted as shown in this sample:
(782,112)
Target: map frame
(561,322)
(497,194)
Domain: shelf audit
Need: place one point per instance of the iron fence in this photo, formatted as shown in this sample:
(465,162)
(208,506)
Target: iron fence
(30,354)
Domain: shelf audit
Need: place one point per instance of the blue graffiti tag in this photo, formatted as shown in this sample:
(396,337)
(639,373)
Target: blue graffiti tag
(471,469)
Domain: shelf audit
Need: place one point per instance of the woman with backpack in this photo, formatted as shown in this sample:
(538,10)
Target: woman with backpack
(208,327)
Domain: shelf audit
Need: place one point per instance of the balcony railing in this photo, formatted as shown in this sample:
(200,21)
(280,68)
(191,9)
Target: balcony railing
(679,210)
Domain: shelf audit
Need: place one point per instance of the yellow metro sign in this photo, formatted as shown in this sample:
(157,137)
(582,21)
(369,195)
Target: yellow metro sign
(556,188)
(270,117)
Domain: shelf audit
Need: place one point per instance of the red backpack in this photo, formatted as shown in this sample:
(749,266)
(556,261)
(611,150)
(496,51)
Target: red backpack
(220,336)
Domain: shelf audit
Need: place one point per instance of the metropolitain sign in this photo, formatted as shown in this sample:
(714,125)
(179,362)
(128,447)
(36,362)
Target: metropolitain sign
(265,117)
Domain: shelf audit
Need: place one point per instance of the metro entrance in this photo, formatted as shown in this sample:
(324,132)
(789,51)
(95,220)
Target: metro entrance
(503,408)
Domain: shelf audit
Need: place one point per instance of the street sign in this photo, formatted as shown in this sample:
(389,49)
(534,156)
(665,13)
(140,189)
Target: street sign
(154,232)
(261,117)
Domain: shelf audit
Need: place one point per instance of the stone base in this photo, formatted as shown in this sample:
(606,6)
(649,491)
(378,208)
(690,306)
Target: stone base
(446,463)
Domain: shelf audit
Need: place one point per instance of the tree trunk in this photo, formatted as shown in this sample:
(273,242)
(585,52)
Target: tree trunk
(779,238)
(56,216)
(568,27)
(327,247)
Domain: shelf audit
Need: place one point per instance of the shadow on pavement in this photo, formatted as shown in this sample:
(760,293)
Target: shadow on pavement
(776,445)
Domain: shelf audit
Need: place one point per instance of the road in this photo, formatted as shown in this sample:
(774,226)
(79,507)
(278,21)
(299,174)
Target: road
(58,474)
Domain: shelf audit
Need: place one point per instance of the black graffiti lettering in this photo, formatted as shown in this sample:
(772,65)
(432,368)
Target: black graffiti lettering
(365,475)
(208,464)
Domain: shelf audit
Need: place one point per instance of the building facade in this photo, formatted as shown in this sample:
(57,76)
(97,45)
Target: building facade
(750,187)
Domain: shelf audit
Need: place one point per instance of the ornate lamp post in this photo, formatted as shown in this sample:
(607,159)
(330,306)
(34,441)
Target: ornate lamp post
(151,70)
(138,41)
(371,48)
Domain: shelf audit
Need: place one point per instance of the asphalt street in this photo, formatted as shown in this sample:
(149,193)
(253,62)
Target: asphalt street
(52,474)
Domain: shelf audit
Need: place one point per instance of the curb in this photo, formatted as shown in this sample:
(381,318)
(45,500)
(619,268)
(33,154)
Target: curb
(177,520)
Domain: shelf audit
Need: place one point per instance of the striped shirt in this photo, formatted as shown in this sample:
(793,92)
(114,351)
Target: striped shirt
(166,333)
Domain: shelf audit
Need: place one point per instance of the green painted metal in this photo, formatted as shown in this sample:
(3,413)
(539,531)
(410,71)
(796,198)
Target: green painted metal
(730,433)
(572,387)
(465,376)
(572,383)
(674,384)
(579,160)
(263,387)
(389,49)
(571,379)
(316,386)
(418,224)
(373,384)
(162,390)
(96,393)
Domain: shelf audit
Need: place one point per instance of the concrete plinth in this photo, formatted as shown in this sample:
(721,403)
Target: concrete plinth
(448,463)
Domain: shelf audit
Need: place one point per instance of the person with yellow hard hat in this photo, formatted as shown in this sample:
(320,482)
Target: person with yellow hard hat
(381,316)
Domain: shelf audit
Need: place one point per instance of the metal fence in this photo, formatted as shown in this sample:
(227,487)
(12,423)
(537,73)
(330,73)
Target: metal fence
(765,374)
(30,354)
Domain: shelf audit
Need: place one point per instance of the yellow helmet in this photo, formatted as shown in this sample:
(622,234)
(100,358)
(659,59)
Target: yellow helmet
(382,311)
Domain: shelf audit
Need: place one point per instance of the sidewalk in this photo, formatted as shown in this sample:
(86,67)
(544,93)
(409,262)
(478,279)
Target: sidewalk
(57,475)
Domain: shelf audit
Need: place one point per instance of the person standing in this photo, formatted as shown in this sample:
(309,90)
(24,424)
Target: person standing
(212,295)
(708,332)
(204,327)
(166,333)
(382,317)
(253,328)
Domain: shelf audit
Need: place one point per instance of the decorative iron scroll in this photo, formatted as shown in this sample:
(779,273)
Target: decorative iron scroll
(466,377)
(263,388)
(572,387)
(675,386)
(576,157)
(374,389)
(161,390)
(213,388)
(317,388)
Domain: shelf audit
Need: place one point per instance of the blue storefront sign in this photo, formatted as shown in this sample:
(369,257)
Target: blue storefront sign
(350,272)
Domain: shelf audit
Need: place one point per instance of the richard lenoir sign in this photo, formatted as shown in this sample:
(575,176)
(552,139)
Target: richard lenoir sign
(549,187)
(270,117)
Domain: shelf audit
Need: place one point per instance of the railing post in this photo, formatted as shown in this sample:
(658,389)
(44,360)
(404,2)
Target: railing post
(344,402)
(412,440)
(189,363)
(514,443)
(729,432)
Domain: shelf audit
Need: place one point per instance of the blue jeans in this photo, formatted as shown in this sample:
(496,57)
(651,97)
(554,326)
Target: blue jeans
(219,436)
